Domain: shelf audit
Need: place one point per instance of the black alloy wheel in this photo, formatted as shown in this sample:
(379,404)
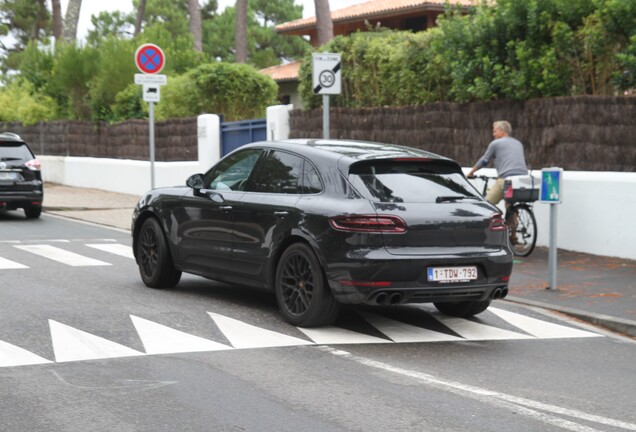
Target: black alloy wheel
(302,293)
(155,263)
(462,309)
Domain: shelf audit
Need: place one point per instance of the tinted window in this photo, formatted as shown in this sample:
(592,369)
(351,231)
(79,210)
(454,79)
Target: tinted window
(397,181)
(279,173)
(232,173)
(311,179)
(15,151)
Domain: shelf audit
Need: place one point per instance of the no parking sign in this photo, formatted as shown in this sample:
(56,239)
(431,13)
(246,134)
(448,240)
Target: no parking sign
(150,59)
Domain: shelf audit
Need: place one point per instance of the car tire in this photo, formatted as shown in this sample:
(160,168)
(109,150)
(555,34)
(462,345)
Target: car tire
(33,212)
(462,309)
(302,293)
(153,257)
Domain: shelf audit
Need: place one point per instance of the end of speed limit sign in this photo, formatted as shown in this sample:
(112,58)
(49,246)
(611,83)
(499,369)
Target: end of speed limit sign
(326,74)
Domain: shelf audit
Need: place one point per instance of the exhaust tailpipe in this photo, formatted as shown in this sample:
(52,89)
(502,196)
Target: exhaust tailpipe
(395,298)
(382,298)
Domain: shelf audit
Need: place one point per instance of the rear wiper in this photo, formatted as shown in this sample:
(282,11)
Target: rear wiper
(440,199)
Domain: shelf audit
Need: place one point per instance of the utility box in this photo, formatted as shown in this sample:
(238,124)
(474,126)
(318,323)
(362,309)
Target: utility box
(521,189)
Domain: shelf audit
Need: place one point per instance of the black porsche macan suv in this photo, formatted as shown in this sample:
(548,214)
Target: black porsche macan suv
(326,222)
(20,177)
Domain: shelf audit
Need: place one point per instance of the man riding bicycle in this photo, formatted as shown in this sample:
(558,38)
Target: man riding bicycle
(508,156)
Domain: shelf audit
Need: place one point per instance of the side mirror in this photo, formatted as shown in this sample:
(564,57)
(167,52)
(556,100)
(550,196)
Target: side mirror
(195,181)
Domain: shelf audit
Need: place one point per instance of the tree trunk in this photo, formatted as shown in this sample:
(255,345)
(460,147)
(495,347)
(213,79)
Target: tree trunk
(241,31)
(141,13)
(324,24)
(71,20)
(195,24)
(57,19)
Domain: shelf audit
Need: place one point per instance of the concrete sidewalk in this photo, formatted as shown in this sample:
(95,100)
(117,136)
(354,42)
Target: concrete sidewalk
(596,289)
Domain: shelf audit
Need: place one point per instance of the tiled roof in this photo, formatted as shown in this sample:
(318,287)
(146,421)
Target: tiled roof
(286,72)
(373,8)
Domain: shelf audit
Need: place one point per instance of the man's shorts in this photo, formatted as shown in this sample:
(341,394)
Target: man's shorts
(495,191)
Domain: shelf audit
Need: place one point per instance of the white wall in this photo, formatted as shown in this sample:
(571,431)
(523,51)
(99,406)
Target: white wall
(596,216)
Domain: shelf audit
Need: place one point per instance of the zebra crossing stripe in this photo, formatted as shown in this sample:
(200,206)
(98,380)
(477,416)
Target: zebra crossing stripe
(11,355)
(61,255)
(541,329)
(71,344)
(5,264)
(116,249)
(243,335)
(159,339)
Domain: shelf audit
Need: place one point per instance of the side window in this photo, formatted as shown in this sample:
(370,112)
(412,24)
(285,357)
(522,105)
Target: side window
(232,173)
(279,173)
(311,179)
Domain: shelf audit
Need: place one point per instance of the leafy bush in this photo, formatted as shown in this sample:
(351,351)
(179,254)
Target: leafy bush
(237,91)
(20,103)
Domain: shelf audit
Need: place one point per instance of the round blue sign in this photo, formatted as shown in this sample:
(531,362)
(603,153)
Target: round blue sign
(150,59)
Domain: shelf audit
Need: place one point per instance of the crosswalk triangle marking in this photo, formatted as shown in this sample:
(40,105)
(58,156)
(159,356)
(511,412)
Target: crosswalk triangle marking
(404,333)
(6,264)
(11,355)
(71,344)
(62,256)
(336,335)
(115,249)
(475,331)
(540,328)
(159,339)
(243,335)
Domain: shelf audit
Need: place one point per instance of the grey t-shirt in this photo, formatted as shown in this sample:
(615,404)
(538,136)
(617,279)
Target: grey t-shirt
(507,154)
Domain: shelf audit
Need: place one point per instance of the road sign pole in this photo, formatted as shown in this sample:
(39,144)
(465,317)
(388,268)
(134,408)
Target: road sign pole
(552,256)
(325,116)
(151,139)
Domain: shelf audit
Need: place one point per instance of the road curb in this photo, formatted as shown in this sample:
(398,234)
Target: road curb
(621,325)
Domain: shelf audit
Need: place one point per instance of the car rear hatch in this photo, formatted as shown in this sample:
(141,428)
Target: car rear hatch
(15,175)
(442,213)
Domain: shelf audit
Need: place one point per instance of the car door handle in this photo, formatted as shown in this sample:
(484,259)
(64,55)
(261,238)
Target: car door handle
(225,208)
(281,214)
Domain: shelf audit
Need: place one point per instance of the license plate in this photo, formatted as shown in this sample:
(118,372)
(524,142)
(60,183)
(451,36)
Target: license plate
(452,274)
(8,176)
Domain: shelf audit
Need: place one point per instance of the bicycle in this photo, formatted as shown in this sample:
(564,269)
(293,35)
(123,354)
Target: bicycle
(522,225)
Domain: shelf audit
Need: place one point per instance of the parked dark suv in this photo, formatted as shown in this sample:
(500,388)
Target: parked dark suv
(20,177)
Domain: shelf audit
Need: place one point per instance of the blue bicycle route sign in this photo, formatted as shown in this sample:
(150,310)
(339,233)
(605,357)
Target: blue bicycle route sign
(551,179)
(150,59)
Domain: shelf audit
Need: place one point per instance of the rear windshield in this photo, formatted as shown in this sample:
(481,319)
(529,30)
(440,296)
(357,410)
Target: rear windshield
(410,181)
(15,152)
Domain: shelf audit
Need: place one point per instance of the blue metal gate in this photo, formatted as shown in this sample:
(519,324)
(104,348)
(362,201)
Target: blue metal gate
(236,134)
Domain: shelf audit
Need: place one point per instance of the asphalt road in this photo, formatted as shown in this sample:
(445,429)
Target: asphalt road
(85,346)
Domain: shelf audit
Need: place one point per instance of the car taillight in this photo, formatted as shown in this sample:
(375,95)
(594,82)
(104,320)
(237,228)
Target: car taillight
(33,164)
(497,222)
(368,223)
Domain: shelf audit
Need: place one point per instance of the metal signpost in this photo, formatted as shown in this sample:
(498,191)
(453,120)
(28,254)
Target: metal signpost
(327,80)
(150,60)
(551,192)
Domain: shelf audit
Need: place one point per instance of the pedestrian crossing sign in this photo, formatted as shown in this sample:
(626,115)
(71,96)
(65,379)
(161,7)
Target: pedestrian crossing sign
(551,191)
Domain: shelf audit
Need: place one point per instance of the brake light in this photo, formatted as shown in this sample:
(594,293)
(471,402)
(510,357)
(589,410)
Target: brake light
(368,223)
(497,222)
(33,164)
(411,159)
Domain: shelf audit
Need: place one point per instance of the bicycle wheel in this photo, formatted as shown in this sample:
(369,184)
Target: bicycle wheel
(523,230)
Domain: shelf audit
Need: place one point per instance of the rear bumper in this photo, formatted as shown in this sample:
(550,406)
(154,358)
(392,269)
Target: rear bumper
(385,279)
(21,199)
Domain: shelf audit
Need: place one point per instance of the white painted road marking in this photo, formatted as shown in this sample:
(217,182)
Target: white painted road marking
(337,335)
(243,335)
(516,404)
(71,344)
(61,255)
(5,264)
(404,333)
(476,331)
(539,328)
(159,339)
(114,248)
(11,355)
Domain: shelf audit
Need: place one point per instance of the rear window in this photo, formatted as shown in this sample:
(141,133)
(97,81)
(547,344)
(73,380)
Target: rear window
(390,181)
(15,152)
